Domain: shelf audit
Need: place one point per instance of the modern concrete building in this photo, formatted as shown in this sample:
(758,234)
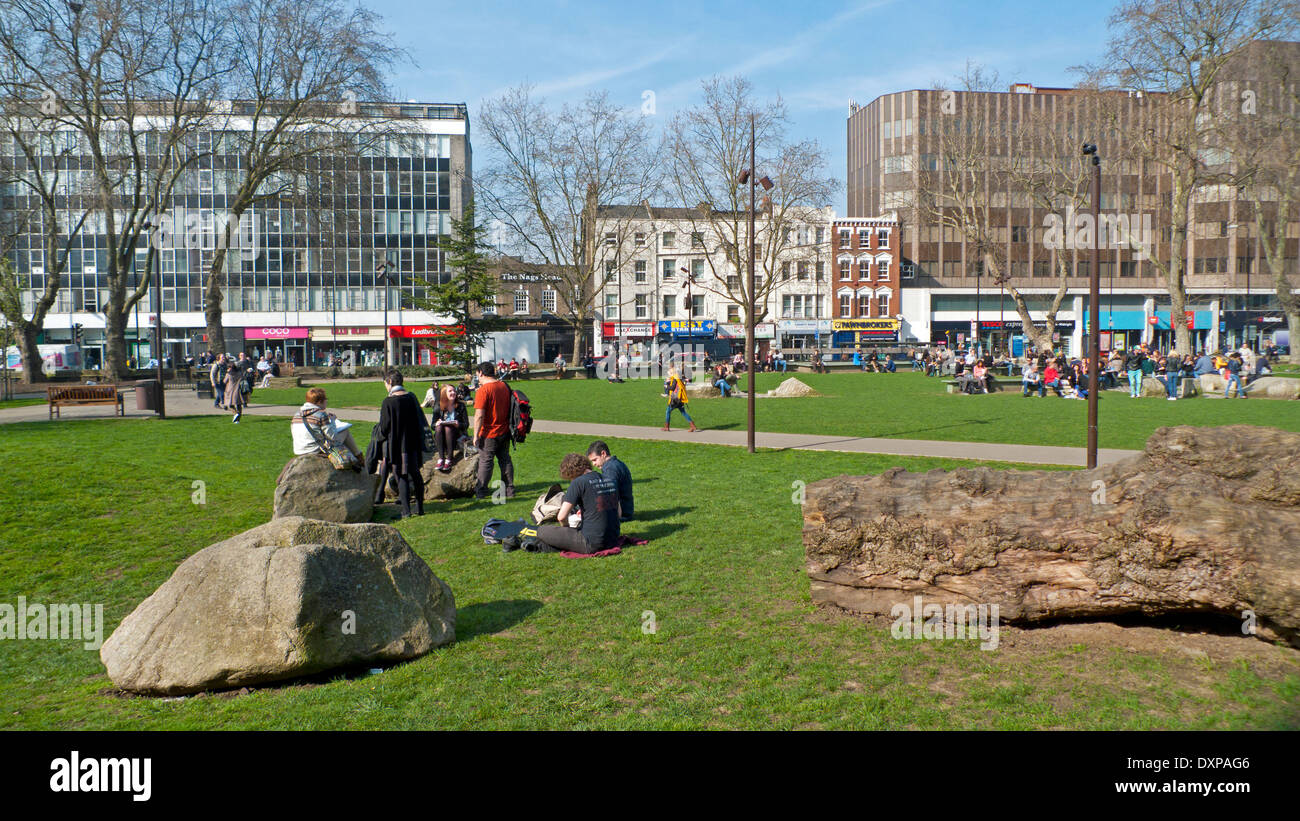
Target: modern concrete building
(895,145)
(304,279)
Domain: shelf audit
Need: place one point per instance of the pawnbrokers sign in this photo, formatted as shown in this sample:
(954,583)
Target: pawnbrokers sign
(870,328)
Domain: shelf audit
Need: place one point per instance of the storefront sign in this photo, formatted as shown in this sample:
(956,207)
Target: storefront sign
(804,326)
(736,330)
(347,334)
(531,278)
(873,327)
(277,333)
(639,330)
(424,331)
(689,327)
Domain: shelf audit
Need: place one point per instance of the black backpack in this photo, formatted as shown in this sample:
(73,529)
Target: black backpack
(521,416)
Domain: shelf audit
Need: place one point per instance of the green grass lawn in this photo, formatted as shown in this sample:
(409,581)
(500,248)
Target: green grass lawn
(103,511)
(23,402)
(903,405)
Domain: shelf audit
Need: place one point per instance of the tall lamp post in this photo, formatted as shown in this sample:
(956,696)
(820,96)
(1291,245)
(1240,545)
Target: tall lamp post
(381,271)
(750,177)
(1094,300)
(155,275)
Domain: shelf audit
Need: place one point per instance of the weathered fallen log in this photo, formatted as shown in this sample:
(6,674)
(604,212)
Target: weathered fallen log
(1205,520)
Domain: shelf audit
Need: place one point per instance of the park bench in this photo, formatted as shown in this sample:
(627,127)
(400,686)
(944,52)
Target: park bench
(84,395)
(954,386)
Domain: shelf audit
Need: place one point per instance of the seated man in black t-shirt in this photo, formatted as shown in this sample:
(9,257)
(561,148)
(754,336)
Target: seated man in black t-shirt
(596,498)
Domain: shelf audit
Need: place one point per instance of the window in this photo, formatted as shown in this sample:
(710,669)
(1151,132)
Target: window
(549,300)
(639,240)
(611,239)
(882,304)
(733,313)
(521,302)
(883,268)
(802,269)
(864,268)
(733,282)
(697,239)
(821,271)
(611,306)
(697,269)
(844,238)
(668,239)
(821,235)
(697,306)
(640,271)
(909,270)
(846,305)
(785,271)
(1128,268)
(642,306)
(669,268)
(864,303)
(844,269)
(1020,233)
(609,270)
(670,305)
(882,238)
(864,238)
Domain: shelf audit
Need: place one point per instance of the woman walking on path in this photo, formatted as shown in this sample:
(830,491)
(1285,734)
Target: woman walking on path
(234,388)
(401,429)
(677,398)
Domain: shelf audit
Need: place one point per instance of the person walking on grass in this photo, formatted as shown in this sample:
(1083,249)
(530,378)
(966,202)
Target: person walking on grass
(677,398)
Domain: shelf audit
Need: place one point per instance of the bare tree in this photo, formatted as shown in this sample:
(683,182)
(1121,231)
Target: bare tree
(1257,127)
(709,147)
(548,171)
(298,70)
(131,82)
(1174,53)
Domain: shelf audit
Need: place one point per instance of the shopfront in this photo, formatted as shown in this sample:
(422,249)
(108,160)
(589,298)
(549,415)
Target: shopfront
(803,334)
(288,344)
(363,347)
(1254,328)
(734,334)
(1163,336)
(633,340)
(848,335)
(426,344)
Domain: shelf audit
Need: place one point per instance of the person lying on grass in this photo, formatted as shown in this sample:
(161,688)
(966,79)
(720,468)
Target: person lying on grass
(593,498)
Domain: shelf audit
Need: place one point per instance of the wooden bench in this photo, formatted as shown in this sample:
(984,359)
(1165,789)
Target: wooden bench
(85,395)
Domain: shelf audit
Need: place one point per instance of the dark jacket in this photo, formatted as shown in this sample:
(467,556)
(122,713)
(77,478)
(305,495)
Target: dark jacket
(462,417)
(1133,360)
(401,427)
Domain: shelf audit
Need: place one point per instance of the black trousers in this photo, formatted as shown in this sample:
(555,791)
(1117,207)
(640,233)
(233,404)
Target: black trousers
(446,438)
(562,537)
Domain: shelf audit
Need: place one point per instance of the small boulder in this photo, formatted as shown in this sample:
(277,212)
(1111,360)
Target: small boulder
(290,598)
(704,391)
(793,387)
(458,483)
(310,487)
(1274,387)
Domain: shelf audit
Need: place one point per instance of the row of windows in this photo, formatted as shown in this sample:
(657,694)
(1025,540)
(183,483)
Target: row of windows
(864,302)
(1082,268)
(233,143)
(864,238)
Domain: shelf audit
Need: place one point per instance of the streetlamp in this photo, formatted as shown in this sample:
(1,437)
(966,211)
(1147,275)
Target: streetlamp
(749,176)
(1094,298)
(155,275)
(381,271)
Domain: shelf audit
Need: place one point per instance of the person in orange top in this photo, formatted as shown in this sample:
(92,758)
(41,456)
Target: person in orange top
(492,430)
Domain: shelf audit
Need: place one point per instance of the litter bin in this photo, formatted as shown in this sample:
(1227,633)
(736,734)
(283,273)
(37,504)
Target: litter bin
(146,395)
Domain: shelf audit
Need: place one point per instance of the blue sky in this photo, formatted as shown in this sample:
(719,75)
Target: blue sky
(816,55)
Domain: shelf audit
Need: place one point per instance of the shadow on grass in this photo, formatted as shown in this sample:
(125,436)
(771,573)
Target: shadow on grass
(487,618)
(653,515)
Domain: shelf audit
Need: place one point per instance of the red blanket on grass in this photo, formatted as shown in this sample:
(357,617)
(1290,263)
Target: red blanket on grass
(623,541)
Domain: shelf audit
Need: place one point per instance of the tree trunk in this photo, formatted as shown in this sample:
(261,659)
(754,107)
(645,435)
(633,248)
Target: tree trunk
(1045,545)
(212,304)
(33,367)
(115,343)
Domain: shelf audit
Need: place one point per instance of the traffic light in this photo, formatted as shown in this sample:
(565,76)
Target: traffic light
(76,333)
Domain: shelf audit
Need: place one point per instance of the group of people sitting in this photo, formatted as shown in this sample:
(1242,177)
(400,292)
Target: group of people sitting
(1237,368)
(506,370)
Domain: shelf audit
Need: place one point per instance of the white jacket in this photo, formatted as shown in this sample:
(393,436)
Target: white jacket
(303,442)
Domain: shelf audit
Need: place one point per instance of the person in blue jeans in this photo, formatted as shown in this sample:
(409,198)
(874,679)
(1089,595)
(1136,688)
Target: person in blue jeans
(1133,367)
(1234,375)
(1032,381)
(677,398)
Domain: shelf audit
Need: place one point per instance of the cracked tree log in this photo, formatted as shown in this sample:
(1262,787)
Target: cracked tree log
(1203,521)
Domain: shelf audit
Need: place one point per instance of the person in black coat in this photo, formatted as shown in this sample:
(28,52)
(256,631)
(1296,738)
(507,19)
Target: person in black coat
(401,432)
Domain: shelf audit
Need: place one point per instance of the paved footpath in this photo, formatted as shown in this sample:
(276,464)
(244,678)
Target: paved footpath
(184,403)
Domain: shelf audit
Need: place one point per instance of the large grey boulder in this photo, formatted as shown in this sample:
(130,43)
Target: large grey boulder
(458,483)
(1274,387)
(310,487)
(291,598)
